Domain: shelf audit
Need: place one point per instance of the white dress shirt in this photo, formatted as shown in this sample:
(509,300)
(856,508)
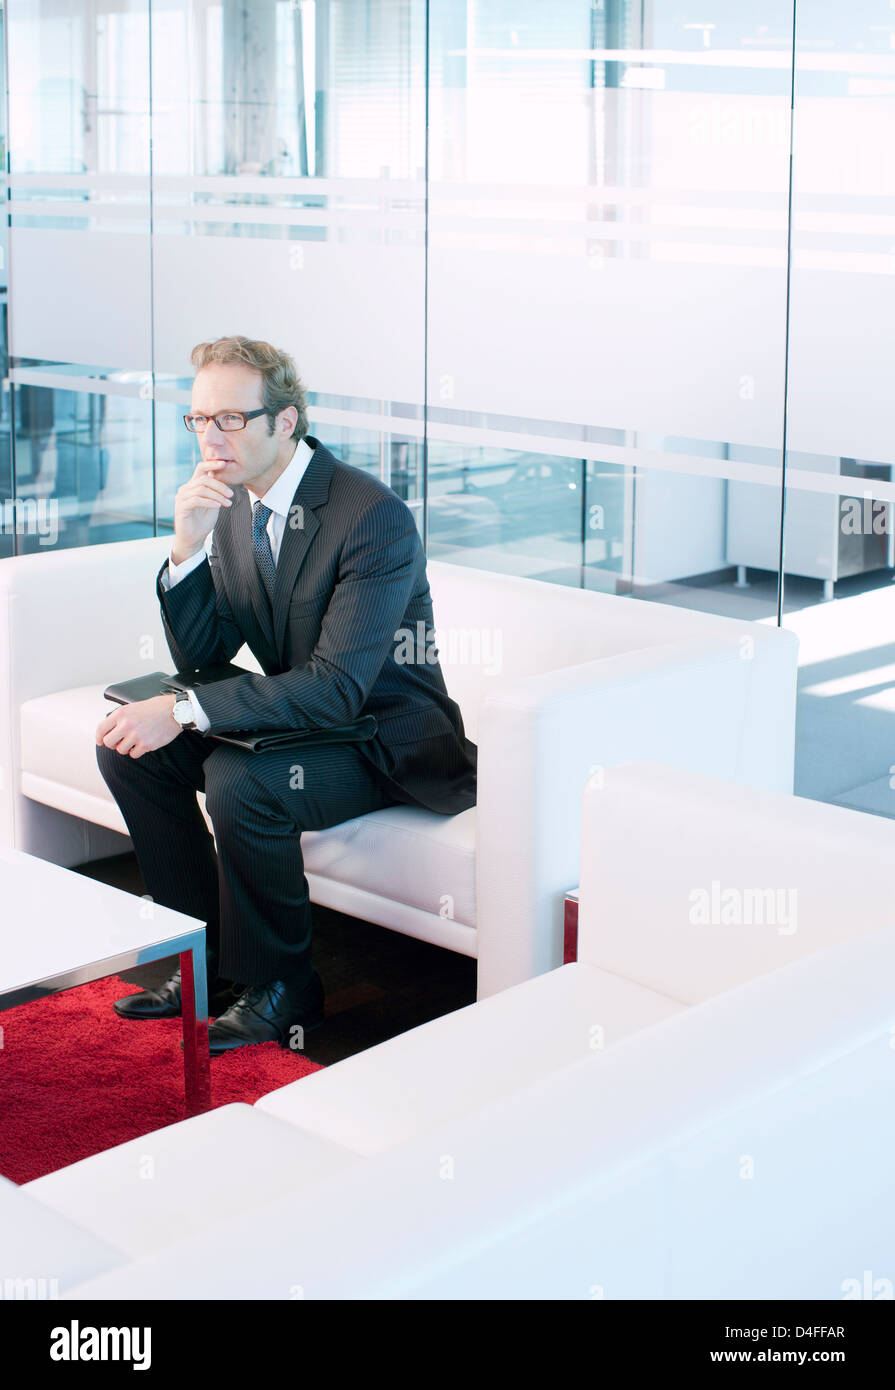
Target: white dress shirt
(278,498)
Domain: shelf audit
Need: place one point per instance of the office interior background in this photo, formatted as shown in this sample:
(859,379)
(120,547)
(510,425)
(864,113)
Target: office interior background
(603,289)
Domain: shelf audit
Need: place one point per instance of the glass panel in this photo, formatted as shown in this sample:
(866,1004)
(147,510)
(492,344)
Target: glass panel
(288,186)
(81,364)
(839,554)
(8,519)
(607,291)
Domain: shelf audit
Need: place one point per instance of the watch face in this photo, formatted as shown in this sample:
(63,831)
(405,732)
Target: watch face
(183,711)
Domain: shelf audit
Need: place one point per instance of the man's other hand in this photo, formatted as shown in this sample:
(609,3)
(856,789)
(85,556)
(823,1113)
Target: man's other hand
(139,728)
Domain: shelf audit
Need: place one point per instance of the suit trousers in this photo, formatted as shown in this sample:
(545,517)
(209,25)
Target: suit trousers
(252,893)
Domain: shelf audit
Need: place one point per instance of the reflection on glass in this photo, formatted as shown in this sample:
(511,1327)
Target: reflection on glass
(510,510)
(83,460)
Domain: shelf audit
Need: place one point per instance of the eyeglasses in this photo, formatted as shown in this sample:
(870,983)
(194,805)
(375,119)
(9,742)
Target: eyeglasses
(232,420)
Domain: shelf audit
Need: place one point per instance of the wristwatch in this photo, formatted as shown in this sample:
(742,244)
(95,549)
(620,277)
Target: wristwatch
(183,712)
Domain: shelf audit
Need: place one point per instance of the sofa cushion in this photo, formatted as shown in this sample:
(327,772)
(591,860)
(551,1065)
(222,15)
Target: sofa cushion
(468,1059)
(403,853)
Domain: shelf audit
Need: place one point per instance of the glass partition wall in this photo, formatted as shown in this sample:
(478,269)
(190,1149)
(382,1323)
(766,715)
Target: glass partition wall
(840,444)
(8,517)
(600,288)
(80,269)
(289,150)
(607,311)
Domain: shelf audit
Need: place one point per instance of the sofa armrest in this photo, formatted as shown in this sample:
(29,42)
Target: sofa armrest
(690,703)
(45,1252)
(75,617)
(691,885)
(72,618)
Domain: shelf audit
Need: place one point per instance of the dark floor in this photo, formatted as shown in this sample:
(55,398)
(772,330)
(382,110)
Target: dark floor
(378,983)
(719,593)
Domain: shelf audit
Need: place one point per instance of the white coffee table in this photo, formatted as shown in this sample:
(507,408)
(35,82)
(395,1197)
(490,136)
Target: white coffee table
(59,929)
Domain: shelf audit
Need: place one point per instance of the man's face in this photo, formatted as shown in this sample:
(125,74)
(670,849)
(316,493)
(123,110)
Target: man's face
(248,452)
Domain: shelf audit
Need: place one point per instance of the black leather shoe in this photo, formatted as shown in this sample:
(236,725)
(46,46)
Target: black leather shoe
(273,1012)
(165,1000)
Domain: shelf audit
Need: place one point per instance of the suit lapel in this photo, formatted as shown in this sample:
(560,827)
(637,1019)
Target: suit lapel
(301,528)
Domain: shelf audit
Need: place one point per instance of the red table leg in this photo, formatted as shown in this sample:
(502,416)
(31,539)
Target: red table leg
(196,1061)
(570,931)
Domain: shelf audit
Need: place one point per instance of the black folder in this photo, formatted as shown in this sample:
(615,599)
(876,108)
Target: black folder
(158,683)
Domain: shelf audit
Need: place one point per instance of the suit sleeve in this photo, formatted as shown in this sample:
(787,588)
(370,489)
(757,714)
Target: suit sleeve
(197,618)
(379,568)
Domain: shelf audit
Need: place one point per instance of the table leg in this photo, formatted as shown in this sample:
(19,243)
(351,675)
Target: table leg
(570,931)
(194,1010)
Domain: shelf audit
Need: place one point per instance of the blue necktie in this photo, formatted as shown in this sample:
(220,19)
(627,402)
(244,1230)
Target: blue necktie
(261,546)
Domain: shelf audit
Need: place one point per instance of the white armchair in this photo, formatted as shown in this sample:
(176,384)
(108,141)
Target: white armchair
(552,682)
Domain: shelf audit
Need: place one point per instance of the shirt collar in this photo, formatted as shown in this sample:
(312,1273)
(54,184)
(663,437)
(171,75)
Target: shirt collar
(279,495)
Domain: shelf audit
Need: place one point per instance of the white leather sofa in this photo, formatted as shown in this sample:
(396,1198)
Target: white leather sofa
(695,1109)
(552,682)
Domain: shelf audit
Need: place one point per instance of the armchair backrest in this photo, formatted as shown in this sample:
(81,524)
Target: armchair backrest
(691,885)
(492,629)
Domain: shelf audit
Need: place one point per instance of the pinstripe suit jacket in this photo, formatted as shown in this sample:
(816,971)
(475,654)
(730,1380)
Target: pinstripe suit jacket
(350,603)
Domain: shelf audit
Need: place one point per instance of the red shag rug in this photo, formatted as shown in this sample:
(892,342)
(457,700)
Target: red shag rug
(76,1079)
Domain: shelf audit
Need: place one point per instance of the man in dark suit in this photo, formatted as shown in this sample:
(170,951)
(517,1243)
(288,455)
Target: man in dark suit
(319,568)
